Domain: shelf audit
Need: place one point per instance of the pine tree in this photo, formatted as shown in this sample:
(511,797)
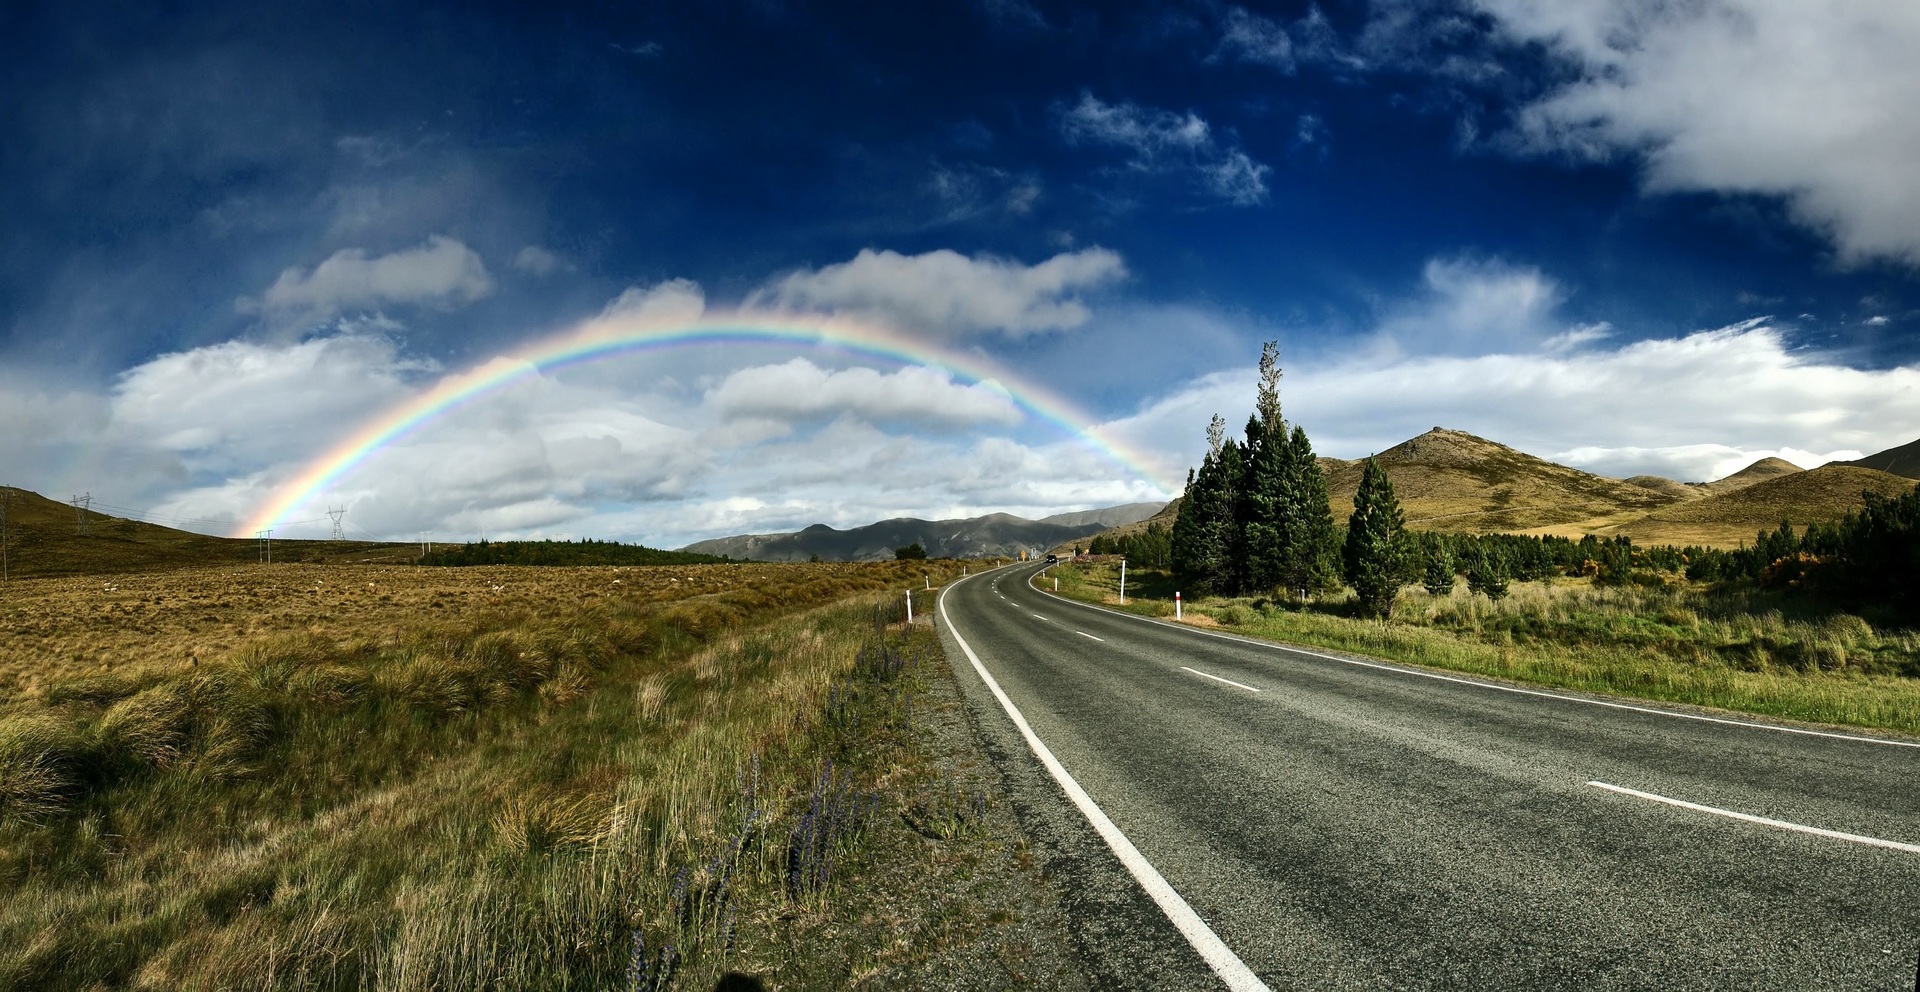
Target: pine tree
(1307,561)
(1437,576)
(1201,545)
(1370,555)
(1487,571)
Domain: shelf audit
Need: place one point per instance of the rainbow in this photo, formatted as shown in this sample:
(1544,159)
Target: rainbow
(617,335)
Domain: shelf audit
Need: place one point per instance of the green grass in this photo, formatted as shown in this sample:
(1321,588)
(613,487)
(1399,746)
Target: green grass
(619,795)
(1673,643)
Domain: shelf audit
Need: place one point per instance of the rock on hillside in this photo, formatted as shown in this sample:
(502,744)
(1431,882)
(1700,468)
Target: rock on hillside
(1760,471)
(1903,461)
(1454,481)
(1799,497)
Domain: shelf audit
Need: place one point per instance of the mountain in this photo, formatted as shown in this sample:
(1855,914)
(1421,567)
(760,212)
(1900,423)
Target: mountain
(971,537)
(1731,516)
(1903,461)
(1758,472)
(1667,487)
(1454,481)
(1112,516)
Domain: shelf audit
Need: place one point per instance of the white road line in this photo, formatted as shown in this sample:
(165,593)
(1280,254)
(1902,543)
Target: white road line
(1218,956)
(1397,670)
(1090,637)
(1216,678)
(1762,820)
(1037,616)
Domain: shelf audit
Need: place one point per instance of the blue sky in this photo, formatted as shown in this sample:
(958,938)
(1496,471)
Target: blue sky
(1633,237)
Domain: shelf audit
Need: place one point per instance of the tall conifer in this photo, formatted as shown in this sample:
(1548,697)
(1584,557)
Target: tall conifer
(1307,557)
(1265,497)
(1372,543)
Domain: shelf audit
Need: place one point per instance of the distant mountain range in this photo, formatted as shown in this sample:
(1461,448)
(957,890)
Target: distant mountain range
(993,534)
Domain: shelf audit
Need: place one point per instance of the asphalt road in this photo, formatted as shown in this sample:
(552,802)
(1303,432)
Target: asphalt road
(1367,827)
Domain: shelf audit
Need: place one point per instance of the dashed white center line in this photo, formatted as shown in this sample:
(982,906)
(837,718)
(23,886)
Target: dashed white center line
(1037,616)
(1090,637)
(1216,678)
(1762,820)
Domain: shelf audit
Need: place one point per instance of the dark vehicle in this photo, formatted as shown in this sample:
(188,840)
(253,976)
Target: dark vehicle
(1053,559)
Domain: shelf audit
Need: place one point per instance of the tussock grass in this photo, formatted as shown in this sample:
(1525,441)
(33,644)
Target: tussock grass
(1679,643)
(541,790)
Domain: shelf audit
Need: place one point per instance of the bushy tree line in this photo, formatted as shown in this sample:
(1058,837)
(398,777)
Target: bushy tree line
(584,552)
(1150,548)
(1869,556)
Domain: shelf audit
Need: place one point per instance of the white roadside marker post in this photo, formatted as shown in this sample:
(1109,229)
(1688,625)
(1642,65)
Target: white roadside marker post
(1123,582)
(1056,583)
(909,606)
(929,579)
(1176,606)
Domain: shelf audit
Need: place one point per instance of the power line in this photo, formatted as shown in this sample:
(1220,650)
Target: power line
(265,537)
(80,504)
(336,513)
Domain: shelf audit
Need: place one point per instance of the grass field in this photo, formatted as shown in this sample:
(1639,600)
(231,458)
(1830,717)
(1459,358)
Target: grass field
(1675,643)
(596,778)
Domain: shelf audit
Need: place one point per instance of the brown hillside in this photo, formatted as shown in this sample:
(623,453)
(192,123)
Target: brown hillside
(1667,487)
(1903,461)
(1730,517)
(1758,472)
(45,539)
(1454,481)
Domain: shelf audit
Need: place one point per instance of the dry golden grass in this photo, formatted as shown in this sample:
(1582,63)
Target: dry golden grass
(1731,516)
(131,624)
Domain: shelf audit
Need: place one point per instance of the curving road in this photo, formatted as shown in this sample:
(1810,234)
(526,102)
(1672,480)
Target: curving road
(1338,823)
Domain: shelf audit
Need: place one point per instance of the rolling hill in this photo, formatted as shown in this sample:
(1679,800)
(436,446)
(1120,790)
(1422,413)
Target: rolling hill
(1454,481)
(45,538)
(971,537)
(1734,515)
(1903,461)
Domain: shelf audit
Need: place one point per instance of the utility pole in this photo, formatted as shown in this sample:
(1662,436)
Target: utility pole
(265,537)
(6,533)
(80,505)
(336,513)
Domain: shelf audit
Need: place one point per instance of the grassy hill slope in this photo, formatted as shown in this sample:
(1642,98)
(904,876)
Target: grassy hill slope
(1732,516)
(1903,461)
(44,538)
(1764,470)
(1454,481)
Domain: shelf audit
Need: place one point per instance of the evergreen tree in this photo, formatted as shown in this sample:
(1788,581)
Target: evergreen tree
(1370,556)
(1487,571)
(1307,560)
(1437,575)
(1202,552)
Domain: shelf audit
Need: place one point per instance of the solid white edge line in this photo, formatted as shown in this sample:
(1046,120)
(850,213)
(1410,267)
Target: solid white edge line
(1398,670)
(1090,637)
(1216,678)
(1762,820)
(1218,956)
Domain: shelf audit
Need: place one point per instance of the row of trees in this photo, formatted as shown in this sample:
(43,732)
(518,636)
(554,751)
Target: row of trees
(1256,517)
(1149,548)
(585,552)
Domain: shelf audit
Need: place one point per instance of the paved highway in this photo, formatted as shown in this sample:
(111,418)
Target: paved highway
(1345,825)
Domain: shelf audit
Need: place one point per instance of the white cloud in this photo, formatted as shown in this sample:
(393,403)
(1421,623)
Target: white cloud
(948,294)
(1476,305)
(1807,101)
(800,389)
(1165,142)
(442,272)
(1250,37)
(535,260)
(1693,408)
(673,300)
